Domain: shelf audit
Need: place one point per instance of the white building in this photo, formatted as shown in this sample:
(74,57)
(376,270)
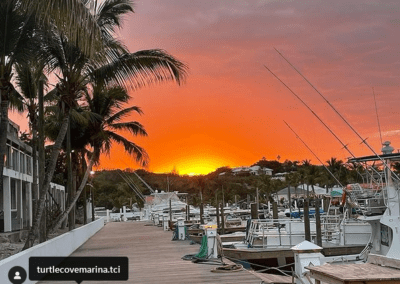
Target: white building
(16,195)
(254,170)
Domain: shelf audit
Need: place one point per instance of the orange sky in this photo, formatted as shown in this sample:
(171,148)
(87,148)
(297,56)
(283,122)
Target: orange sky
(230,111)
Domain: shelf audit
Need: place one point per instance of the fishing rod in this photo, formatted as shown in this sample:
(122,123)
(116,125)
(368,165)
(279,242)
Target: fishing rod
(345,146)
(148,186)
(377,117)
(130,184)
(133,183)
(326,168)
(338,113)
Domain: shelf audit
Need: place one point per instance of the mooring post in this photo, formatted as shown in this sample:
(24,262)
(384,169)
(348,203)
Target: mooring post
(326,204)
(165,222)
(275,211)
(222,219)
(318,222)
(123,219)
(217,211)
(201,213)
(307,233)
(254,211)
(170,215)
(290,201)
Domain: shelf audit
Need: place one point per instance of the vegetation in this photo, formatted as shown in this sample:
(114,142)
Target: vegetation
(74,42)
(111,190)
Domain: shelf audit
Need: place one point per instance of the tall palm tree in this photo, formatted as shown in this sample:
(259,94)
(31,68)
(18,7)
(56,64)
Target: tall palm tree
(107,103)
(109,66)
(338,169)
(20,27)
(16,41)
(28,78)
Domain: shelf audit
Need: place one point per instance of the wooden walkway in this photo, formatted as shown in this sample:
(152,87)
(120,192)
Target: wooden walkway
(153,257)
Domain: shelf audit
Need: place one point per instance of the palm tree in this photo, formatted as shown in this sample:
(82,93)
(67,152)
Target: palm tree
(107,103)
(109,66)
(16,40)
(28,80)
(338,169)
(20,28)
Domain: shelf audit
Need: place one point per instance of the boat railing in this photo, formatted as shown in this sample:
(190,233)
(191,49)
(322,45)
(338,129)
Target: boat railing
(373,205)
(288,232)
(277,232)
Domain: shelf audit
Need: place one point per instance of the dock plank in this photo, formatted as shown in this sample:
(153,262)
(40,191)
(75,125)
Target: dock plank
(154,257)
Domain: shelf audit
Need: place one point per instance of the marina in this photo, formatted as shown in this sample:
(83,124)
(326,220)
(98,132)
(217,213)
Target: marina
(154,258)
(199,142)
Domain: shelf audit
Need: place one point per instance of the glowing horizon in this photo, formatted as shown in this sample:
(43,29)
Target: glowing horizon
(230,111)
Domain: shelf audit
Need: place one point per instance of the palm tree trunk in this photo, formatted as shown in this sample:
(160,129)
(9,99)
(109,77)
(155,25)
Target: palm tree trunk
(35,196)
(70,193)
(42,160)
(73,201)
(48,177)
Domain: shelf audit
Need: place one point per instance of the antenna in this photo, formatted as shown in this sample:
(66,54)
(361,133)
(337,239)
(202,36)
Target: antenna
(377,117)
(337,112)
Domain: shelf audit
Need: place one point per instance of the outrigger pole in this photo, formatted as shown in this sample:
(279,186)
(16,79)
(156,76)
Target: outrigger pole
(316,115)
(337,112)
(148,186)
(309,149)
(377,117)
(132,185)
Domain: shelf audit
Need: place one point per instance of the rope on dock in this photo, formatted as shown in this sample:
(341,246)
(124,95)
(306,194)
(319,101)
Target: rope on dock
(266,268)
(228,268)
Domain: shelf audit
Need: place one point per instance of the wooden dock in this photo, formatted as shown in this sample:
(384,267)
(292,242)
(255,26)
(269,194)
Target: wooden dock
(154,257)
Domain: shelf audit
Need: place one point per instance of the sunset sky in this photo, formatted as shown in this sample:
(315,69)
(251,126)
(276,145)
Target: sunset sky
(230,111)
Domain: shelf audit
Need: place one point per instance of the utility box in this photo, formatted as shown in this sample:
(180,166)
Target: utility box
(212,243)
(165,221)
(305,254)
(156,219)
(181,229)
(123,219)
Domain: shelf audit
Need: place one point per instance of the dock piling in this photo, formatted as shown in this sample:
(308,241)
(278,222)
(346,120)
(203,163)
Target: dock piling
(222,219)
(318,222)
(307,233)
(254,211)
(275,210)
(201,213)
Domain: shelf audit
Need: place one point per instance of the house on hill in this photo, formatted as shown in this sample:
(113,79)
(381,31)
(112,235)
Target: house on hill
(254,170)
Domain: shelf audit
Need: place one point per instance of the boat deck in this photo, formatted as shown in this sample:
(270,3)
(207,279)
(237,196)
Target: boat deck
(153,257)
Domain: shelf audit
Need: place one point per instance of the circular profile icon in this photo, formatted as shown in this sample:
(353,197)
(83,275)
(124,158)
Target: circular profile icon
(17,275)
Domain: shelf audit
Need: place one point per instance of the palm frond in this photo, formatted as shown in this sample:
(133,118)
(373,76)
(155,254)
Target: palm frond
(123,113)
(141,68)
(131,148)
(52,96)
(133,127)
(110,12)
(16,101)
(72,17)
